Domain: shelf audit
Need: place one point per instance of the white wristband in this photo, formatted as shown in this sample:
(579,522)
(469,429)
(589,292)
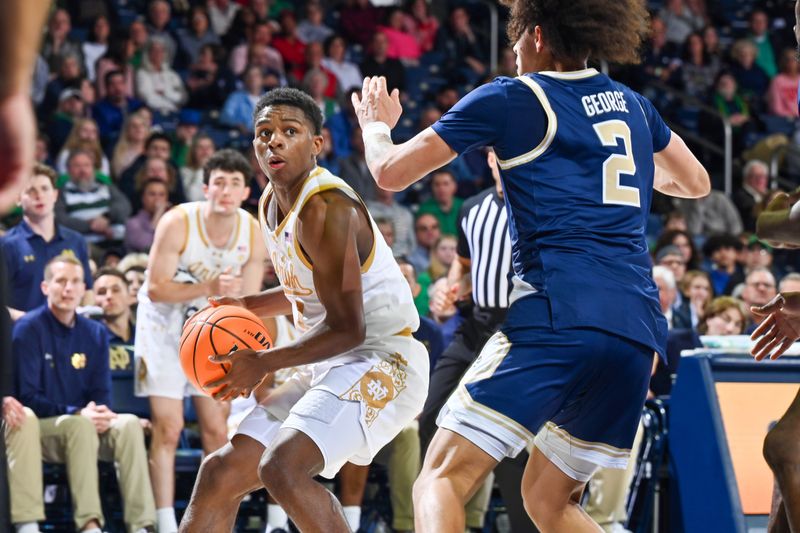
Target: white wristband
(375,128)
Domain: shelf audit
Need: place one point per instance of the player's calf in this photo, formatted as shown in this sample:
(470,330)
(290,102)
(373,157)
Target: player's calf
(781,448)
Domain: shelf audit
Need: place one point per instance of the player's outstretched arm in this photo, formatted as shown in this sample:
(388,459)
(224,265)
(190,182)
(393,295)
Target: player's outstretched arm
(395,166)
(781,327)
(329,229)
(779,223)
(678,172)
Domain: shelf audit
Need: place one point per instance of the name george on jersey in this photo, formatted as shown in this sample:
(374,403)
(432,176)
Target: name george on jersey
(604,102)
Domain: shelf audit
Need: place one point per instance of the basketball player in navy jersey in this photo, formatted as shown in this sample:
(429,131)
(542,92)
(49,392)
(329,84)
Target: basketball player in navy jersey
(780,225)
(580,156)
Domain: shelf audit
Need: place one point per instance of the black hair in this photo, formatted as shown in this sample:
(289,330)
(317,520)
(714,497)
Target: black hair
(293,98)
(156,136)
(228,160)
(110,74)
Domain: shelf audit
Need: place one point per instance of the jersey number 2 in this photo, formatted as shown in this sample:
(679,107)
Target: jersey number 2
(610,133)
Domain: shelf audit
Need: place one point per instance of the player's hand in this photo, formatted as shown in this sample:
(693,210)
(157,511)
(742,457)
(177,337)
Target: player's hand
(780,329)
(216,301)
(13,413)
(227,284)
(18,141)
(443,302)
(376,104)
(245,373)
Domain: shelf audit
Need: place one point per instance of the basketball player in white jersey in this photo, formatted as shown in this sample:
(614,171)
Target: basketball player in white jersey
(366,378)
(201,249)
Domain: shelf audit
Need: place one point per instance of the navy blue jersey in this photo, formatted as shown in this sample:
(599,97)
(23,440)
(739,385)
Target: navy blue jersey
(576,157)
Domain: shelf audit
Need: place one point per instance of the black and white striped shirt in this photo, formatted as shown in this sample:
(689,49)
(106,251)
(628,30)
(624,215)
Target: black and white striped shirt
(483,238)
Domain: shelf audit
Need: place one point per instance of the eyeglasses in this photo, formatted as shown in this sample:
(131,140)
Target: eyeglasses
(759,284)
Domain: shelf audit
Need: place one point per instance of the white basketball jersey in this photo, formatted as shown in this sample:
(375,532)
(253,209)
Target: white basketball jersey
(200,260)
(388,304)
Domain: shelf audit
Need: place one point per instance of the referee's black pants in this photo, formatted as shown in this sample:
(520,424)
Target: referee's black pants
(467,343)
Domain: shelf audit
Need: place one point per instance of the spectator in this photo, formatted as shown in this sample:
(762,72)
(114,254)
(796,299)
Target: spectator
(110,112)
(422,25)
(192,173)
(667,294)
(313,29)
(84,135)
(507,66)
(698,70)
(41,75)
(759,288)
(442,256)
(70,109)
(37,239)
(57,42)
(288,44)
(696,293)
(750,78)
(112,295)
(65,385)
(94,209)
(463,46)
(758,254)
(139,37)
(684,242)
(790,283)
(130,144)
(679,21)
(160,169)
(732,105)
(782,93)
(712,45)
(42,154)
(725,272)
(135,276)
(712,214)
(401,218)
(209,81)
(242,27)
(386,228)
(759,35)
(359,20)
(354,170)
(402,44)
(159,18)
(96,46)
(238,109)
(140,230)
(188,125)
(198,34)
(347,73)
(118,56)
(313,61)
(672,257)
(221,13)
(261,8)
(659,61)
(426,231)
(157,146)
(444,204)
(378,63)
(68,77)
(159,87)
(420,298)
(259,45)
(723,316)
(755,183)
(327,158)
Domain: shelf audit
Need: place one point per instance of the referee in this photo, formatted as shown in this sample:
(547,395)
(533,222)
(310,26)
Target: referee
(484,251)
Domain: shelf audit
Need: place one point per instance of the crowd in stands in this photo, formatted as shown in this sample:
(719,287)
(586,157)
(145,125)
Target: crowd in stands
(133,97)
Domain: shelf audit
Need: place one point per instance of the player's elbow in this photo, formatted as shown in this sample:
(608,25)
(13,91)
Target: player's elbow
(389,179)
(154,291)
(703,183)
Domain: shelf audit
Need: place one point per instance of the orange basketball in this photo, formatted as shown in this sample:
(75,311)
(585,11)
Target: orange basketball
(214,331)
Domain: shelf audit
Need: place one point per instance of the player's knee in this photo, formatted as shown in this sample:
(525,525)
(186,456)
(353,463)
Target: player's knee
(780,448)
(168,431)
(215,474)
(275,473)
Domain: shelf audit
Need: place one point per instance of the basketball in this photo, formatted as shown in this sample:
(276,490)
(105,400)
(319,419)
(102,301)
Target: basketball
(215,331)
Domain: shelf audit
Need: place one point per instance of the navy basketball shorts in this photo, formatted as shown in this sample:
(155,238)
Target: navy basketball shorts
(576,394)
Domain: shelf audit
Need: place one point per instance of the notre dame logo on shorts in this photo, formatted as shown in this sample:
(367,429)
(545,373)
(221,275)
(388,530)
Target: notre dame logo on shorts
(379,385)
